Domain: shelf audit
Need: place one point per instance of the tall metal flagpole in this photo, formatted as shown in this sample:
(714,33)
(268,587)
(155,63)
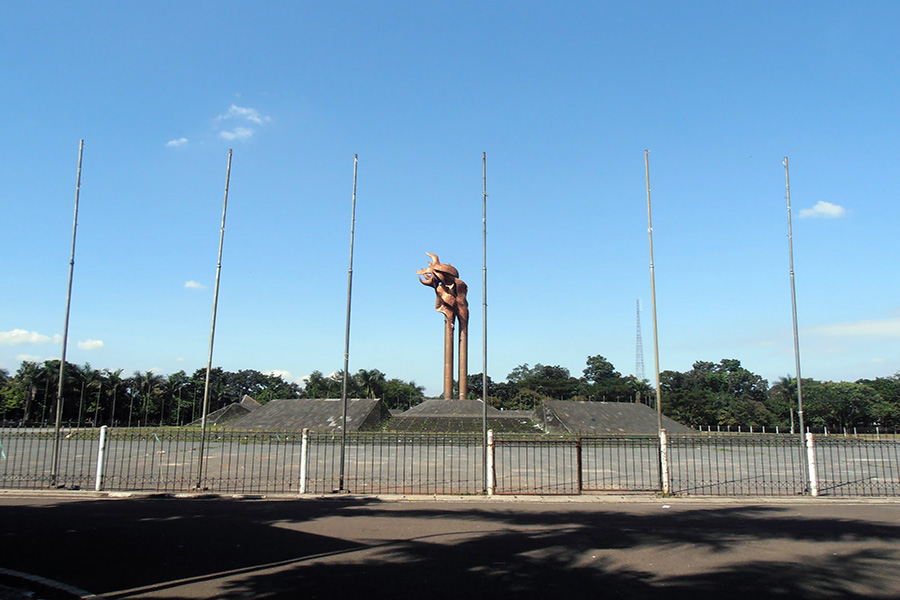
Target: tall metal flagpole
(347,333)
(212,331)
(54,472)
(653,295)
(484,377)
(787,185)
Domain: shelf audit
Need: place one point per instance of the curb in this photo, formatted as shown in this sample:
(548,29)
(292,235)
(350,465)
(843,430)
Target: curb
(479,499)
(48,589)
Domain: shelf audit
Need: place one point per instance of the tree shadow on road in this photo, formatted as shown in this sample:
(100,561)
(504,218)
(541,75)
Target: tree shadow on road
(364,548)
(575,555)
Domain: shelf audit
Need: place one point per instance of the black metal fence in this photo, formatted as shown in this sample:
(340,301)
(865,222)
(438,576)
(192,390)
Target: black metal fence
(729,465)
(847,466)
(26,458)
(168,460)
(530,465)
(575,464)
(396,463)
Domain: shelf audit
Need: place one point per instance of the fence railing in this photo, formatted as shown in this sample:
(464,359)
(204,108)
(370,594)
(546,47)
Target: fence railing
(846,467)
(168,460)
(724,465)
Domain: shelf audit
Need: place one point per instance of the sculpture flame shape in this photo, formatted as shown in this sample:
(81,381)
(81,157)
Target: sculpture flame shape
(450,300)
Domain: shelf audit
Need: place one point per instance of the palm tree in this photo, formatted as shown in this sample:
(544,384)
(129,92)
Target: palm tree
(115,380)
(149,383)
(29,372)
(172,387)
(788,386)
(88,378)
(98,383)
(372,382)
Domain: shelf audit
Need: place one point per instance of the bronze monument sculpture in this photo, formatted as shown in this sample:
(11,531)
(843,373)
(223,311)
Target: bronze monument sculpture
(451,302)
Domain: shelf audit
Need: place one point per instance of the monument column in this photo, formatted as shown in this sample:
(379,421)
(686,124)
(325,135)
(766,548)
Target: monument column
(448,358)
(463,360)
(450,292)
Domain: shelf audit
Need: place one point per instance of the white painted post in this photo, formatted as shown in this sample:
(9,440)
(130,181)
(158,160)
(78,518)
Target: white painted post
(664,460)
(304,458)
(490,462)
(101,457)
(811,461)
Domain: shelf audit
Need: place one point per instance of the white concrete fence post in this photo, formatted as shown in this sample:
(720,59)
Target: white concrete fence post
(304,459)
(664,461)
(490,462)
(101,458)
(811,461)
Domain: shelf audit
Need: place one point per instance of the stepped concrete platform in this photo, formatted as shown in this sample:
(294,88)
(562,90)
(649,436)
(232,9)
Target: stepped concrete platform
(233,411)
(564,416)
(459,416)
(296,414)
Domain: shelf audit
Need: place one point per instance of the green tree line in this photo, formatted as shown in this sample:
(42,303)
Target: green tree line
(94,397)
(709,394)
(727,394)
(723,394)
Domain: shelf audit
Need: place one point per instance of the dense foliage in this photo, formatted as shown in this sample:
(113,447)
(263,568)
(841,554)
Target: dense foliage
(709,394)
(103,397)
(526,387)
(727,394)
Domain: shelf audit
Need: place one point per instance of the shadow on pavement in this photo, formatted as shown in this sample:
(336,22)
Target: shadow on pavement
(364,548)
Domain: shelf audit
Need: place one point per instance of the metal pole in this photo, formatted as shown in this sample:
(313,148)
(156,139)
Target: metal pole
(101,458)
(653,295)
(347,333)
(484,377)
(54,472)
(304,458)
(664,461)
(212,331)
(490,466)
(787,185)
(659,428)
(808,472)
(811,464)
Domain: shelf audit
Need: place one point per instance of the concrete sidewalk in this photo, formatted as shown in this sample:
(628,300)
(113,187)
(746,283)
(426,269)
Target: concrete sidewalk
(363,547)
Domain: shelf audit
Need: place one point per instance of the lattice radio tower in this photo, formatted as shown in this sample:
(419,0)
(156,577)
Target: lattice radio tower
(639,351)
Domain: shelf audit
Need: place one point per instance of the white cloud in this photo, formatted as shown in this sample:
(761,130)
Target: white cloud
(286,375)
(19,337)
(179,359)
(238,133)
(177,142)
(823,210)
(874,328)
(241,112)
(194,285)
(90,344)
(29,358)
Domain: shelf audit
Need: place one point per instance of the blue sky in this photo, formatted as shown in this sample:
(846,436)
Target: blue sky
(563,99)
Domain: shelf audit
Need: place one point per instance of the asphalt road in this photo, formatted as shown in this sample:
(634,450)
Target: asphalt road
(355,547)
